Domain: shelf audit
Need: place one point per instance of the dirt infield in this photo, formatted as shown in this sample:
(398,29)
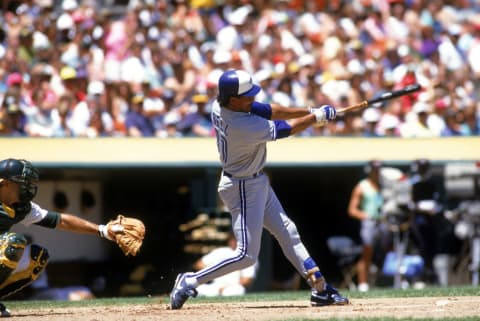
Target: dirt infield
(419,307)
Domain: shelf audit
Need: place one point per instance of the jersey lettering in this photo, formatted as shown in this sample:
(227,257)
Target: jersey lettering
(221,132)
(219,124)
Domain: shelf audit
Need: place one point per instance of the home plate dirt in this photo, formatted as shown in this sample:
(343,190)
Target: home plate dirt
(419,307)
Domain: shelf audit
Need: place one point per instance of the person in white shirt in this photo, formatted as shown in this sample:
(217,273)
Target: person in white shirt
(234,283)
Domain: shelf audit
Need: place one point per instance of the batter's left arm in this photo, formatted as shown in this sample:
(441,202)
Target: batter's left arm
(285,113)
(278,112)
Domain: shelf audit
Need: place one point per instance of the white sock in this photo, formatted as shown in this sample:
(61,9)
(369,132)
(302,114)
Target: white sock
(191,280)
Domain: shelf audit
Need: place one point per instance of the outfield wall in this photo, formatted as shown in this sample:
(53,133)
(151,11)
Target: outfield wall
(112,152)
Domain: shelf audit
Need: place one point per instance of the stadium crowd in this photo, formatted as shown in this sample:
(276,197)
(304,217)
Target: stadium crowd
(74,68)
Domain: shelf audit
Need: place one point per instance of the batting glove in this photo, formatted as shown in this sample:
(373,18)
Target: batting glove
(324,113)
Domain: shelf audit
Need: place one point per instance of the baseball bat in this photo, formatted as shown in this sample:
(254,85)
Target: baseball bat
(386,96)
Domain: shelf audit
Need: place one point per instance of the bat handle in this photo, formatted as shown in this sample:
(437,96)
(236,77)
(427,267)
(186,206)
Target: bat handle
(361,105)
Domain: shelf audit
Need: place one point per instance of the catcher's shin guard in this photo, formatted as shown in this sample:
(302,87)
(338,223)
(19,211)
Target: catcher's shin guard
(32,263)
(12,246)
(4,312)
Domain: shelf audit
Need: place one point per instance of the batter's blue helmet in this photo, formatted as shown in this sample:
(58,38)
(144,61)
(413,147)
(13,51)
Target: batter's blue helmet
(236,83)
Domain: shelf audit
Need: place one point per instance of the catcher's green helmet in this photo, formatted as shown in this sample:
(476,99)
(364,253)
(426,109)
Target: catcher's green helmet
(22,172)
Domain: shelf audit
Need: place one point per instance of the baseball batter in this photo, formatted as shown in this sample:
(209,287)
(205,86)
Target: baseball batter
(243,127)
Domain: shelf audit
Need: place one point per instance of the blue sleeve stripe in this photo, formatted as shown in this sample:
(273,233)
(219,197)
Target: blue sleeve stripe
(282,128)
(262,110)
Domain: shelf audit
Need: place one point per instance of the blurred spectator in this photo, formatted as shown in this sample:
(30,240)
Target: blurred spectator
(198,121)
(349,124)
(43,119)
(13,120)
(416,124)
(371,117)
(471,120)
(425,206)
(454,125)
(365,204)
(136,123)
(388,125)
(235,283)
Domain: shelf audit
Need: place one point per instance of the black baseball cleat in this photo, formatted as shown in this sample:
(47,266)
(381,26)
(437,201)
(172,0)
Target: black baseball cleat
(4,312)
(181,292)
(329,296)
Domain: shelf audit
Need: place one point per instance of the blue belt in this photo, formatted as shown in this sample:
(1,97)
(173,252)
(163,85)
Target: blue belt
(246,177)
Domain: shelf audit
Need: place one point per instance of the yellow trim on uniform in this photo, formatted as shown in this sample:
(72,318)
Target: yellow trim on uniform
(10,211)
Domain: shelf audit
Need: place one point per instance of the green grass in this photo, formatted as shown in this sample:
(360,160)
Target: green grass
(387,319)
(374,293)
(265,296)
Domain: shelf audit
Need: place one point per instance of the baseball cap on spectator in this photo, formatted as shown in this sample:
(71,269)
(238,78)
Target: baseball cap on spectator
(44,3)
(420,107)
(64,22)
(153,33)
(137,99)
(355,67)
(40,41)
(293,67)
(200,98)
(212,78)
(69,5)
(78,16)
(403,50)
(262,75)
(153,105)
(454,29)
(389,122)
(14,78)
(67,73)
(281,98)
(95,87)
(145,18)
(306,60)
(222,57)
(440,104)
(97,32)
(171,119)
(371,115)
(239,15)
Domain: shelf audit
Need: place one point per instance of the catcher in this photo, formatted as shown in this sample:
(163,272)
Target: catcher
(20,262)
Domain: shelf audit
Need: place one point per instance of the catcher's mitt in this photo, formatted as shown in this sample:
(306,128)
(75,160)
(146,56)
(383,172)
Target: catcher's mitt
(127,232)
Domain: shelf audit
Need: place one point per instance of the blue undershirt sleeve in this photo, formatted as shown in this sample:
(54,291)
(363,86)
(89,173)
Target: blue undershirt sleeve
(262,110)
(283,129)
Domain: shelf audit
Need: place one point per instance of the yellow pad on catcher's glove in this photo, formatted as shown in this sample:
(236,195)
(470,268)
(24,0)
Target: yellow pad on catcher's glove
(127,232)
